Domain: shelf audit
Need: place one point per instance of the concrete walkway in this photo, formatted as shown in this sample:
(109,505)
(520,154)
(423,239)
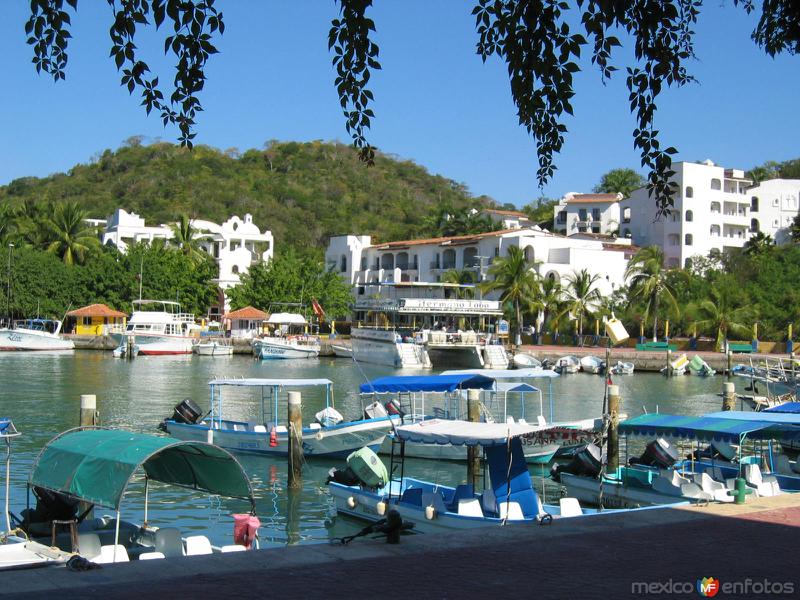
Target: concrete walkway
(609,556)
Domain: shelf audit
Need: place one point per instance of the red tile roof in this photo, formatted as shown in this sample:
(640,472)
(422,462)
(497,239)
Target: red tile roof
(96,310)
(589,198)
(508,213)
(457,239)
(248,312)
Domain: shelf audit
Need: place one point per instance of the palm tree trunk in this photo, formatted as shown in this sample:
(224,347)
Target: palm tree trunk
(655,319)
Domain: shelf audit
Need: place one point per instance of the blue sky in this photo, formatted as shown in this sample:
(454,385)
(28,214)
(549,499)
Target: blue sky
(435,101)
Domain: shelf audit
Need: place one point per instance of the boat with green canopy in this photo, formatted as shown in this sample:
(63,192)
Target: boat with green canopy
(87,467)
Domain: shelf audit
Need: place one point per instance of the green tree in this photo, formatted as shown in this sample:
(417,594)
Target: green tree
(184,236)
(759,243)
(517,283)
(540,211)
(69,236)
(720,314)
(461,277)
(581,297)
(620,181)
(794,229)
(552,303)
(649,285)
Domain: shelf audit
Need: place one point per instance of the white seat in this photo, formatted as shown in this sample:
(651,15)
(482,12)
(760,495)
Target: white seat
(259,429)
(89,545)
(232,548)
(314,426)
(522,421)
(470,507)
(150,555)
(108,554)
(570,507)
(511,511)
(541,421)
(169,542)
(281,429)
(764,485)
(197,544)
(716,488)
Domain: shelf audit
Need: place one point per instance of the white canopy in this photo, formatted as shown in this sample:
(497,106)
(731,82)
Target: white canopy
(506,373)
(286,318)
(271,382)
(459,433)
(515,386)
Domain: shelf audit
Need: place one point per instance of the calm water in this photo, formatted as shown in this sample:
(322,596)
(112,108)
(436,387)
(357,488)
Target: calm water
(41,393)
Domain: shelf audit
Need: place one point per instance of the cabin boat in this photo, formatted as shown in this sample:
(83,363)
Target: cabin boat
(622,368)
(592,364)
(32,335)
(509,498)
(677,366)
(158,327)
(289,340)
(267,433)
(96,467)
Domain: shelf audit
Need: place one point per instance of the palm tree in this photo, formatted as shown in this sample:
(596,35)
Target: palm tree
(758,244)
(717,313)
(552,303)
(68,234)
(184,235)
(516,282)
(649,284)
(581,296)
(8,227)
(461,277)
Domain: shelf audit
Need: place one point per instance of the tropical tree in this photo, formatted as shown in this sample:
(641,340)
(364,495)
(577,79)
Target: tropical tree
(517,282)
(68,234)
(461,277)
(552,303)
(620,181)
(184,236)
(759,243)
(8,226)
(581,297)
(719,313)
(794,229)
(649,285)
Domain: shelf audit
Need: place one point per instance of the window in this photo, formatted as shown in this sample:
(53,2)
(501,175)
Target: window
(235,269)
(562,217)
(688,239)
(528,253)
(582,229)
(754,204)
(776,202)
(776,223)
(496,251)
(87,320)
(687,263)
(716,184)
(754,226)
(673,239)
(595,228)
(343,265)
(714,231)
(402,260)
(595,214)
(449,259)
(715,208)
(674,216)
(582,214)
(626,214)
(363,263)
(387,261)
(689,192)
(470,257)
(689,216)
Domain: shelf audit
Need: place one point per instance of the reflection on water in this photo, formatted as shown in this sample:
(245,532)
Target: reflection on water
(41,393)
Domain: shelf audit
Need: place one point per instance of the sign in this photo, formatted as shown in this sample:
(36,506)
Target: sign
(502,327)
(449,306)
(382,304)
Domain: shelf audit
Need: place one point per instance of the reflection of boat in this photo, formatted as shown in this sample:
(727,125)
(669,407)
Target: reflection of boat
(159,327)
(592,364)
(34,334)
(526,361)
(329,435)
(567,364)
(622,368)
(290,340)
(342,351)
(214,347)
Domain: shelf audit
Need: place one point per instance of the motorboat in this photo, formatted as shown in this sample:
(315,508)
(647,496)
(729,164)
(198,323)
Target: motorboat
(622,368)
(214,347)
(700,367)
(158,327)
(592,364)
(365,491)
(267,433)
(523,360)
(34,334)
(678,366)
(289,340)
(567,364)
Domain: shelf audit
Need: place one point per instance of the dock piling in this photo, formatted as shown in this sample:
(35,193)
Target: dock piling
(473,452)
(295,440)
(728,395)
(612,449)
(89,416)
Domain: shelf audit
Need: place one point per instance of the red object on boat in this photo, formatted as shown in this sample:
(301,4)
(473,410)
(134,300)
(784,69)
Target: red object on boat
(245,529)
(273,438)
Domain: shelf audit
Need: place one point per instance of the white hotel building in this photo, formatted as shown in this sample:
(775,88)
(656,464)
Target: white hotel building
(587,213)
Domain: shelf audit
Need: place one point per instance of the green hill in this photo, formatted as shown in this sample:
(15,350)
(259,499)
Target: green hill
(303,192)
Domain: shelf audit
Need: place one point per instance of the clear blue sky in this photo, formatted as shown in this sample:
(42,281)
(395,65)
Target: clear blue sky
(436,102)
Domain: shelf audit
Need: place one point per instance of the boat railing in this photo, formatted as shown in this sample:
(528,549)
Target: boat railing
(458,338)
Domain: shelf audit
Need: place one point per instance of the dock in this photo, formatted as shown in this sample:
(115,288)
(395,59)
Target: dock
(610,556)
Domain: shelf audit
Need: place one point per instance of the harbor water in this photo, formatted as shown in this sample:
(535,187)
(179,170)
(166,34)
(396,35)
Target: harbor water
(41,394)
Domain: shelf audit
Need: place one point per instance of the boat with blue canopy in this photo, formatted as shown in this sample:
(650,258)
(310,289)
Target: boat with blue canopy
(267,431)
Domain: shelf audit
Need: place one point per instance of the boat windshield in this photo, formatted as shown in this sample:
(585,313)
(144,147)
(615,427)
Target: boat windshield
(37,325)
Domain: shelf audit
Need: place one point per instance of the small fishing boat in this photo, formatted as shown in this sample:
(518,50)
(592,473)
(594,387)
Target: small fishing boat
(33,335)
(214,347)
(523,360)
(592,364)
(567,364)
(622,368)
(677,367)
(289,340)
(328,435)
(342,351)
(700,367)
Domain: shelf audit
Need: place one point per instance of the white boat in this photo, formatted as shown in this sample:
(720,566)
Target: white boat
(159,327)
(289,342)
(342,351)
(267,433)
(592,364)
(34,334)
(567,364)
(523,360)
(677,366)
(214,347)
(622,368)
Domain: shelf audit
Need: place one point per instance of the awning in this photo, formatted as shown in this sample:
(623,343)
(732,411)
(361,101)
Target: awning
(787,407)
(515,386)
(96,465)
(706,428)
(286,318)
(427,383)
(787,418)
(253,382)
(506,373)
(461,433)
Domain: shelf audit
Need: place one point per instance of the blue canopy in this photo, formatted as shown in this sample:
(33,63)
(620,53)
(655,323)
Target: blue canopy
(427,383)
(783,417)
(707,428)
(787,407)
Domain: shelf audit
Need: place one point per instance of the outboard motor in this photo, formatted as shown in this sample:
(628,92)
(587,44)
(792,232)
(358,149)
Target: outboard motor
(185,412)
(375,411)
(393,408)
(714,451)
(658,453)
(363,468)
(587,462)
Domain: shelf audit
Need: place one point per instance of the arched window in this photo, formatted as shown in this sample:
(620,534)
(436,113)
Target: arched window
(387,261)
(626,214)
(235,269)
(449,259)
(715,208)
(552,275)
(364,263)
(687,240)
(528,253)
(716,184)
(714,231)
(687,264)
(689,216)
(754,225)
(689,192)
(343,264)
(754,204)
(470,257)
(402,260)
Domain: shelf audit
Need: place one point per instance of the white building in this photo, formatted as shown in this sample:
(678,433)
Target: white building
(508,219)
(366,266)
(587,213)
(714,209)
(235,245)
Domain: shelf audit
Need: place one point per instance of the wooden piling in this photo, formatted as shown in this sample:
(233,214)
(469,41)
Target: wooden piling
(612,448)
(730,364)
(473,452)
(295,440)
(89,415)
(728,396)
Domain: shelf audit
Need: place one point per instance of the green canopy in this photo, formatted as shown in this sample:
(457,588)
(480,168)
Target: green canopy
(95,465)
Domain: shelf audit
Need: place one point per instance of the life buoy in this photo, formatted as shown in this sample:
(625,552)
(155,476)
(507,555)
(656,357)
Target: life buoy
(273,438)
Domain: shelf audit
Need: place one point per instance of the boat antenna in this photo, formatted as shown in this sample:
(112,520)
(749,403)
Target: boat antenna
(8,293)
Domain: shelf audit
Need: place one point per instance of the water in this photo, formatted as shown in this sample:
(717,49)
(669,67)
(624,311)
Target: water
(41,393)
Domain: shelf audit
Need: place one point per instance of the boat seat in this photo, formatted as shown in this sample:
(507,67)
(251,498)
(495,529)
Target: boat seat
(259,429)
(435,500)
(89,545)
(510,420)
(412,496)
(150,555)
(716,488)
(232,548)
(197,544)
(570,507)
(511,511)
(107,554)
(541,421)
(279,429)
(470,507)
(314,426)
(764,485)
(522,421)
(463,491)
(169,542)
(489,501)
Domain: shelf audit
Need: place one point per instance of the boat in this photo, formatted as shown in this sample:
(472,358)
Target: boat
(214,347)
(328,435)
(289,340)
(677,366)
(342,351)
(523,360)
(700,367)
(365,490)
(592,364)
(33,335)
(567,364)
(622,368)
(158,327)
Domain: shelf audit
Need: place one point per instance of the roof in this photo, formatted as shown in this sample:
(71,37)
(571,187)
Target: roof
(96,465)
(427,383)
(592,198)
(96,310)
(507,213)
(290,318)
(460,433)
(786,407)
(507,373)
(707,428)
(787,416)
(271,382)
(441,240)
(248,312)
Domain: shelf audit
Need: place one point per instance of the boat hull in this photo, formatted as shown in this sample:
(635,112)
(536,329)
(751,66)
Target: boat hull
(19,340)
(156,345)
(213,349)
(342,351)
(615,494)
(270,350)
(381,347)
